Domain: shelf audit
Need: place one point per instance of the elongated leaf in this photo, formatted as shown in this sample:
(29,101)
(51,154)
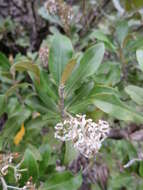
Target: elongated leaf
(27,65)
(35,152)
(2,104)
(45,91)
(37,105)
(4,62)
(136,93)
(121,180)
(63,181)
(109,73)
(68,70)
(60,53)
(83,102)
(135,44)
(31,165)
(13,123)
(138,3)
(46,84)
(99,89)
(82,92)
(133,5)
(141,169)
(112,105)
(99,35)
(11,90)
(70,154)
(80,106)
(44,14)
(89,64)
(95,187)
(122,31)
(19,136)
(5,77)
(139,55)
(49,102)
(36,125)
(45,151)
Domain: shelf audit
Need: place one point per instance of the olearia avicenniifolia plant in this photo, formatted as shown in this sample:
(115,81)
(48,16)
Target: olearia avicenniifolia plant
(61,96)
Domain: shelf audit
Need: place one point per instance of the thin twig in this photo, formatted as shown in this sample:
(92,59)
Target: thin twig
(132,162)
(4,185)
(16,188)
(18,7)
(61,103)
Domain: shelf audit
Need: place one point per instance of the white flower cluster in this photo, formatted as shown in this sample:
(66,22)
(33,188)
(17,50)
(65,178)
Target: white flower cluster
(60,8)
(86,135)
(29,186)
(43,55)
(5,161)
(51,5)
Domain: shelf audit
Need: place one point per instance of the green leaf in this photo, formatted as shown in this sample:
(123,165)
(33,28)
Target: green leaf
(35,124)
(12,89)
(133,5)
(35,152)
(45,151)
(95,187)
(68,70)
(80,106)
(99,35)
(36,105)
(122,30)
(48,102)
(109,73)
(6,77)
(71,153)
(47,85)
(88,65)
(121,180)
(140,186)
(81,93)
(4,62)
(31,165)
(138,3)
(2,104)
(112,105)
(63,181)
(141,169)
(52,18)
(1,143)
(136,93)
(14,122)
(27,65)
(51,141)
(99,89)
(134,45)
(139,55)
(46,91)
(83,102)
(48,115)
(109,103)
(61,52)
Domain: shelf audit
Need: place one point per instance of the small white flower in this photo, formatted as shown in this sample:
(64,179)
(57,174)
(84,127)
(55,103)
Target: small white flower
(86,135)
(43,55)
(51,6)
